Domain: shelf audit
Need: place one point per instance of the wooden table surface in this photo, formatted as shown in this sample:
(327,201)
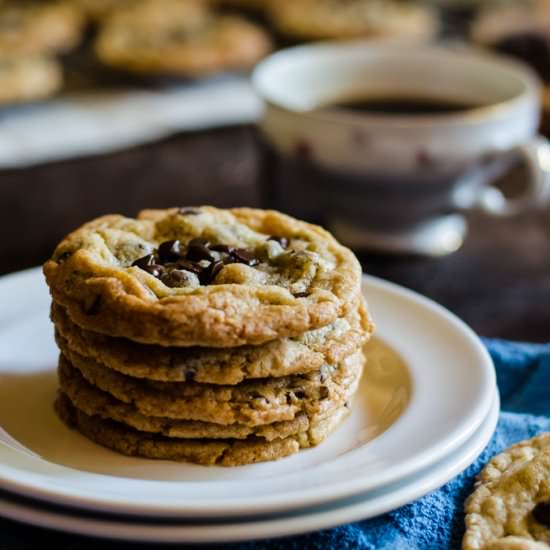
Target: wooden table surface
(499,282)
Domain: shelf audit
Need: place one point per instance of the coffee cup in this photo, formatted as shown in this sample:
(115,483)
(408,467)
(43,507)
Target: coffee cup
(390,179)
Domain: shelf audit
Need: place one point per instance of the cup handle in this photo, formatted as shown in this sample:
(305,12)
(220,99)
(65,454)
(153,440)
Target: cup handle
(536,155)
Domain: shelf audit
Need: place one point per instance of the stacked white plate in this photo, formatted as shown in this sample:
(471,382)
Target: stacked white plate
(427,407)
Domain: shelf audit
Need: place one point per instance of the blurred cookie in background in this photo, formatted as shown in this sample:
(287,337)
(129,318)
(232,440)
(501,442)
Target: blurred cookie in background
(28,79)
(30,27)
(96,9)
(334,19)
(178,38)
(521,30)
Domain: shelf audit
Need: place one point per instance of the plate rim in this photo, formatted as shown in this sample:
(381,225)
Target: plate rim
(417,485)
(313,495)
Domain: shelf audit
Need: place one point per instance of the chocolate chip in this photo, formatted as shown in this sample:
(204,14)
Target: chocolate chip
(199,241)
(283,241)
(214,269)
(188,211)
(189,266)
(145,261)
(541,512)
(300,394)
(92,306)
(189,373)
(323,392)
(224,248)
(169,251)
(244,256)
(301,295)
(209,273)
(155,270)
(197,249)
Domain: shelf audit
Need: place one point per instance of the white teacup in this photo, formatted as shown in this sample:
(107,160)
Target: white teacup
(398,182)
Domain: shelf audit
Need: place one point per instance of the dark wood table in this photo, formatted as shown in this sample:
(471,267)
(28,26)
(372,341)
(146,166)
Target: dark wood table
(499,282)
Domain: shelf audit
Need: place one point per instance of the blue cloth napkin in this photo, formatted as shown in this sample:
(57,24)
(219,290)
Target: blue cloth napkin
(432,522)
(436,521)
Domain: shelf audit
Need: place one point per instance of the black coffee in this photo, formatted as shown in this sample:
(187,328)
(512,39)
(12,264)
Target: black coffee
(402,105)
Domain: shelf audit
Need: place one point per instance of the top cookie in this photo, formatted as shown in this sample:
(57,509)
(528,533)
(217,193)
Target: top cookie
(333,19)
(203,277)
(510,508)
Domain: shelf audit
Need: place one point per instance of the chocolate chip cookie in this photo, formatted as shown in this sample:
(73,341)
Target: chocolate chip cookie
(203,277)
(213,336)
(510,507)
(253,403)
(334,19)
(95,402)
(178,37)
(311,351)
(209,452)
(35,27)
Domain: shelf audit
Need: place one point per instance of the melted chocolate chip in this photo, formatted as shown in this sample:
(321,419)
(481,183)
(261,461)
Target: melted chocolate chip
(323,392)
(209,273)
(172,262)
(224,248)
(283,241)
(189,373)
(215,268)
(92,307)
(244,256)
(145,261)
(199,241)
(169,251)
(197,249)
(155,270)
(188,211)
(301,295)
(300,394)
(188,265)
(541,512)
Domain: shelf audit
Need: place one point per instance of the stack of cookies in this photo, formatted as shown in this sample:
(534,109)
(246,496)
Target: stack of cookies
(220,337)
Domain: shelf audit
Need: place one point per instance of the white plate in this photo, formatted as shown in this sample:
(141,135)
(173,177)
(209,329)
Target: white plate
(357,508)
(451,376)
